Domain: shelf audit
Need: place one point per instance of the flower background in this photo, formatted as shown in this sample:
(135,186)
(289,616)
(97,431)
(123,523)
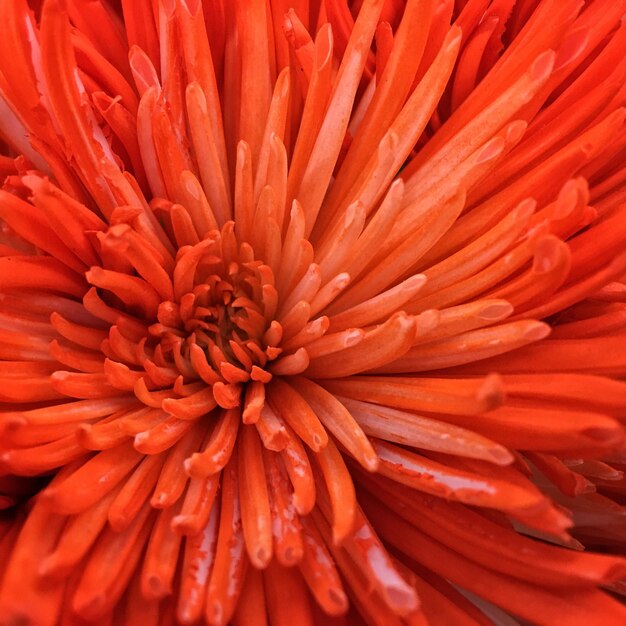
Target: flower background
(312,312)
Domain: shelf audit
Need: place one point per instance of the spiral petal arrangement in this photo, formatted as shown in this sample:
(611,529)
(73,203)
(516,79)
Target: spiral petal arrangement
(312,312)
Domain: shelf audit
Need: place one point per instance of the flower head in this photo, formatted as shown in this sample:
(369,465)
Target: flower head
(311,309)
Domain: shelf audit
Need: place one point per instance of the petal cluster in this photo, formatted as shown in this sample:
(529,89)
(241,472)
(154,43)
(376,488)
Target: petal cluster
(312,313)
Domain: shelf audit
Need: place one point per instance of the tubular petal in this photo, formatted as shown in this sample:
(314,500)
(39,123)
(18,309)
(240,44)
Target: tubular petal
(254,498)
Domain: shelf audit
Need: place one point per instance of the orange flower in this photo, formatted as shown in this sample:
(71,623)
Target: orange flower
(312,313)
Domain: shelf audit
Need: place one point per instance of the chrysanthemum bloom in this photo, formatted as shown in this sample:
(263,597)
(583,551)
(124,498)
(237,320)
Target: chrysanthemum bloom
(312,313)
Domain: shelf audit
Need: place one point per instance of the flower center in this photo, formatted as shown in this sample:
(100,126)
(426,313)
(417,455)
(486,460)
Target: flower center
(224,304)
(210,314)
